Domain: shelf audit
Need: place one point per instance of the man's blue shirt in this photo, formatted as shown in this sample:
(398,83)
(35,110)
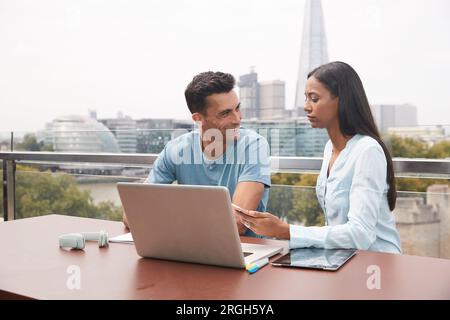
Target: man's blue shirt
(246,159)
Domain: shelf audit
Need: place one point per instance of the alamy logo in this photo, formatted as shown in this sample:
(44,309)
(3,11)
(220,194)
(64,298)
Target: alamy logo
(74,280)
(250,150)
(374,280)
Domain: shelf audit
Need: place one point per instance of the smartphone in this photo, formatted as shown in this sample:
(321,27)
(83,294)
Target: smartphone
(244,211)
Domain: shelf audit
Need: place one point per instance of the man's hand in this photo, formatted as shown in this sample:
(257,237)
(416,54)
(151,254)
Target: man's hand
(236,210)
(241,228)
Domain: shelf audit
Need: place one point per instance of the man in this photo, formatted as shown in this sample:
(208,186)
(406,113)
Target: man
(220,153)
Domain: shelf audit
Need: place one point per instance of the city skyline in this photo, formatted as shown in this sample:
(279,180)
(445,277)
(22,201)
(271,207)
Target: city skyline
(59,58)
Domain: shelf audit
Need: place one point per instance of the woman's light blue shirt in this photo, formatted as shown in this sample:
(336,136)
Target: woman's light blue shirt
(354,200)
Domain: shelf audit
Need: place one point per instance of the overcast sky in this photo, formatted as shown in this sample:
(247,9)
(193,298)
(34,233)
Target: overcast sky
(60,57)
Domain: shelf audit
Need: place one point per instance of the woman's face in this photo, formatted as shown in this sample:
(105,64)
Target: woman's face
(320,106)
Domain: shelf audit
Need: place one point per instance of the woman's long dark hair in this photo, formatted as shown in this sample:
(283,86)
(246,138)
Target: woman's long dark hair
(354,110)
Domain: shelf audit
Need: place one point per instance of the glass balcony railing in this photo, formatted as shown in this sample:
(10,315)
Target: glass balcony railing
(87,194)
(89,190)
(423,221)
(422,218)
(84,183)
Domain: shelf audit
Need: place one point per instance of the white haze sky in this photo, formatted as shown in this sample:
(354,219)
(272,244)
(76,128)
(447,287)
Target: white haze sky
(60,57)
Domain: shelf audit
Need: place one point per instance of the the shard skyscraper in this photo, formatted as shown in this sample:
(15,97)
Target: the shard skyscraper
(314,50)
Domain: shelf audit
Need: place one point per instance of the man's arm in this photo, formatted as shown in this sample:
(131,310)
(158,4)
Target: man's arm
(247,195)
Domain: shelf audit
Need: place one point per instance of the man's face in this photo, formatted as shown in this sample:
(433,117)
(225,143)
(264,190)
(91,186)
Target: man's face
(223,114)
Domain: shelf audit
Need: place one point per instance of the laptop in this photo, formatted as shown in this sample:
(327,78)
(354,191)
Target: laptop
(187,223)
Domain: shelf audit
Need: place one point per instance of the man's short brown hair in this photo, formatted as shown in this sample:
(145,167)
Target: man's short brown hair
(205,84)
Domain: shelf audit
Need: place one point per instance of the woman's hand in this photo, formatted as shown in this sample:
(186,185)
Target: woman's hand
(265,224)
(241,227)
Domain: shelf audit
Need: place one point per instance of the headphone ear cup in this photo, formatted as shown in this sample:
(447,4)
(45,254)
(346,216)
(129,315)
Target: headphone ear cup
(72,240)
(103,239)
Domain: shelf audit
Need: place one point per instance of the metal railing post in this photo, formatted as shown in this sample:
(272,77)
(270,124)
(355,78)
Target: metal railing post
(9,190)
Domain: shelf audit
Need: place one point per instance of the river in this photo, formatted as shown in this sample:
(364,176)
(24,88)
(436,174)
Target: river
(102,192)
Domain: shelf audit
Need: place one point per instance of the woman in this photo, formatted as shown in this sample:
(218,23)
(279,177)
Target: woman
(356,186)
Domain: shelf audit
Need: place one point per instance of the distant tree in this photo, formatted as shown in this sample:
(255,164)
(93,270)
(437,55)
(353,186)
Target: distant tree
(152,141)
(416,148)
(417,184)
(285,178)
(440,150)
(30,143)
(305,207)
(407,147)
(280,200)
(413,148)
(46,147)
(40,193)
(293,197)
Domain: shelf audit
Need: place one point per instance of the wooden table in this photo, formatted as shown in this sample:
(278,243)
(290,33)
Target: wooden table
(33,266)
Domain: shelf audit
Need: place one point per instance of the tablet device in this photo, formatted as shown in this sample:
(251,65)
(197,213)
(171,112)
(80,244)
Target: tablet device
(315,258)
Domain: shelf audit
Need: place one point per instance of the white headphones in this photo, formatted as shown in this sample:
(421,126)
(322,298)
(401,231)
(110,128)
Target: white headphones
(77,240)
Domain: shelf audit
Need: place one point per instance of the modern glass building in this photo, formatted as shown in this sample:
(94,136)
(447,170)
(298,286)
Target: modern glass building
(124,130)
(249,95)
(394,115)
(75,133)
(272,99)
(293,137)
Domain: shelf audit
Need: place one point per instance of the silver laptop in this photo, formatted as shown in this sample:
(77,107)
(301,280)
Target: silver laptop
(187,223)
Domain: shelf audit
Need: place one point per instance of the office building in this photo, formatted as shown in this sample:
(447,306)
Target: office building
(291,137)
(313,51)
(249,95)
(125,130)
(310,142)
(428,134)
(153,134)
(279,134)
(76,133)
(391,115)
(272,99)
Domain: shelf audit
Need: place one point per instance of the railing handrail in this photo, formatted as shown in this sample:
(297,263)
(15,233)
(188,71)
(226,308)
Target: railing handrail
(288,164)
(278,164)
(111,158)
